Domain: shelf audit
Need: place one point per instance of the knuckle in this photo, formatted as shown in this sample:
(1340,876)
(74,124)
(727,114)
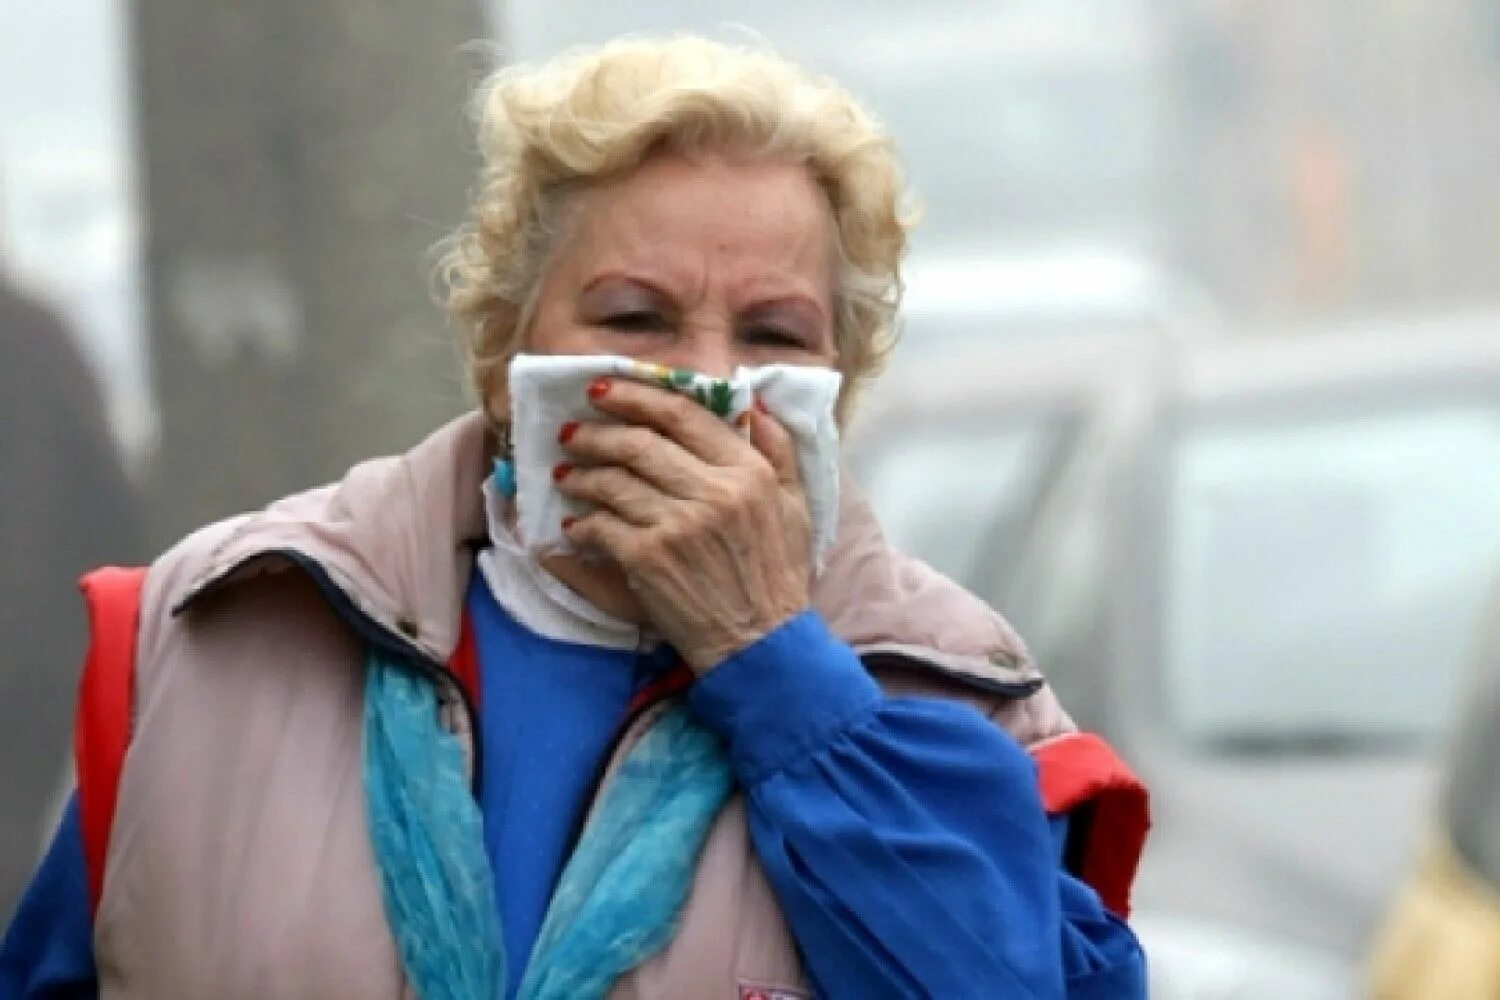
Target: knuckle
(644,550)
(635,444)
(762,476)
(747,487)
(677,406)
(699,519)
(587,440)
(578,478)
(596,480)
(722,495)
(680,530)
(588,483)
(609,484)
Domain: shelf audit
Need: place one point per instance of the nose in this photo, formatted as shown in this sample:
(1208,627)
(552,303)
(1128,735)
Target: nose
(705,346)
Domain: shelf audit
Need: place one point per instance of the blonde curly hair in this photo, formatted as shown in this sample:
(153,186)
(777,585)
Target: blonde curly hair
(596,113)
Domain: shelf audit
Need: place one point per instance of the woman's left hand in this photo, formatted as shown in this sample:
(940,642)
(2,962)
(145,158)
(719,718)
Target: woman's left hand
(712,530)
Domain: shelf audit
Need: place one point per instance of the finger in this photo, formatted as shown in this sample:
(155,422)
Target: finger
(771,438)
(674,415)
(617,490)
(604,531)
(657,460)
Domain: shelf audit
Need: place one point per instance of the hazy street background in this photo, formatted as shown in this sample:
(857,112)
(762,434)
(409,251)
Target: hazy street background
(1200,382)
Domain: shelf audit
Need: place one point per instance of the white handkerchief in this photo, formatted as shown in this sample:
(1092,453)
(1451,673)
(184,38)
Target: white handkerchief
(547,391)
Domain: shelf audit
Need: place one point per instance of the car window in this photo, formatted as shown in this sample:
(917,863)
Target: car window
(956,495)
(1324,574)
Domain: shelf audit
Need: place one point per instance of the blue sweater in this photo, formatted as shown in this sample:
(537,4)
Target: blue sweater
(904,837)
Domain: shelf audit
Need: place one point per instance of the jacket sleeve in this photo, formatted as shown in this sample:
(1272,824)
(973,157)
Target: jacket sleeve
(48,950)
(905,838)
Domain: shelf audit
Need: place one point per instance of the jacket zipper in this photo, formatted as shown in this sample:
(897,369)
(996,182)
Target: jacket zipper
(369,630)
(637,710)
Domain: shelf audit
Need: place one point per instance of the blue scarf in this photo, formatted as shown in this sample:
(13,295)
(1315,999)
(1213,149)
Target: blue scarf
(618,899)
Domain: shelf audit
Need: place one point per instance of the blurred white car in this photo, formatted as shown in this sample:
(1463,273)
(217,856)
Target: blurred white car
(1255,566)
(957,302)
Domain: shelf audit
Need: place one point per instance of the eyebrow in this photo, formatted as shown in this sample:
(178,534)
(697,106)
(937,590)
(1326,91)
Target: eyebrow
(796,304)
(795,300)
(633,279)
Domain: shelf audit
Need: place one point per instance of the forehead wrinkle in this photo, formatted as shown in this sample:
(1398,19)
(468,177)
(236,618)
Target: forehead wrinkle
(620,242)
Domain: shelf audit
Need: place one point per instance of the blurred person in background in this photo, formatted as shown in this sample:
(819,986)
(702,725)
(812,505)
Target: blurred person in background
(66,506)
(1441,939)
(365,760)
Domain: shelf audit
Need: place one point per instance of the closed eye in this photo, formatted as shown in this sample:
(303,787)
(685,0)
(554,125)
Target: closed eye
(772,336)
(640,319)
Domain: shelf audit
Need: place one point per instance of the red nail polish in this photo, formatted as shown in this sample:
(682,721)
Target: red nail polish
(598,387)
(566,432)
(568,522)
(560,471)
(760,405)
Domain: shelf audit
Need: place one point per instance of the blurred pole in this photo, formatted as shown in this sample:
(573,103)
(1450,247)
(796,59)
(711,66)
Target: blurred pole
(297,161)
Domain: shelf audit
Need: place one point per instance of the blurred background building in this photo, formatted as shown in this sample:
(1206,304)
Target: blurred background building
(1219,278)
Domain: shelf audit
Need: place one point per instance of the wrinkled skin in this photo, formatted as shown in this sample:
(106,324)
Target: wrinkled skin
(705,264)
(712,530)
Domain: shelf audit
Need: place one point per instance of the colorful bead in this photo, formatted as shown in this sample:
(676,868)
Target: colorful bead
(505,477)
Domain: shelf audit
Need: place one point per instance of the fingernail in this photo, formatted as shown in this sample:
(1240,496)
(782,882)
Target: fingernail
(760,405)
(598,387)
(568,522)
(566,432)
(743,419)
(560,471)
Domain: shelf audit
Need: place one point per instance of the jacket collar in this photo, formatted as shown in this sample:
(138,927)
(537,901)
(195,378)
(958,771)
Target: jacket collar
(395,539)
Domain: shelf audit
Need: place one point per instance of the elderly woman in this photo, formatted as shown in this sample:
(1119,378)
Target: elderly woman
(375,742)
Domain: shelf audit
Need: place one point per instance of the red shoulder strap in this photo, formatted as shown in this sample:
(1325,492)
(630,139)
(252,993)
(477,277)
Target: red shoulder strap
(102,730)
(1078,770)
(464,663)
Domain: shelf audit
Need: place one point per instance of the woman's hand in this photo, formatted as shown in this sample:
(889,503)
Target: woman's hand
(712,530)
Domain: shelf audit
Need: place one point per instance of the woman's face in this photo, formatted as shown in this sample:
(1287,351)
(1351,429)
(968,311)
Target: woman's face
(705,264)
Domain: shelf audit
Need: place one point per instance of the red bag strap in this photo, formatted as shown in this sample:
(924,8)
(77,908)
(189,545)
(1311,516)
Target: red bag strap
(1078,770)
(673,682)
(464,663)
(102,729)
